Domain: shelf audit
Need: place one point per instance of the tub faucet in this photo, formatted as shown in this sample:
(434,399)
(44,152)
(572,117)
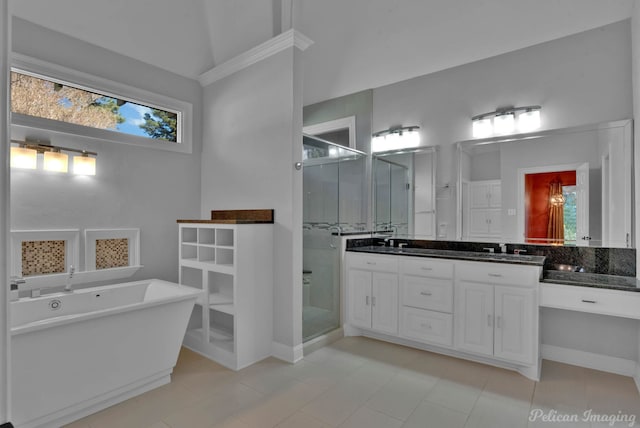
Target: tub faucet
(14,286)
(67,287)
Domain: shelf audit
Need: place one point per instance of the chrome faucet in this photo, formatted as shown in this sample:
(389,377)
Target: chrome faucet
(338,229)
(67,287)
(14,286)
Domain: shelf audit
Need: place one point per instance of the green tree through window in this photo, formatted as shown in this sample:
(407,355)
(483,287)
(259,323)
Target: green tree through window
(35,96)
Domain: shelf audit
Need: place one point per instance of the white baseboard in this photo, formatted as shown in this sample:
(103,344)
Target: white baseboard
(290,354)
(605,363)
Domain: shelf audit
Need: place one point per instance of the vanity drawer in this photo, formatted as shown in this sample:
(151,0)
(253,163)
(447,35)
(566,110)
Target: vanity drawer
(498,273)
(426,326)
(435,294)
(372,262)
(616,303)
(427,267)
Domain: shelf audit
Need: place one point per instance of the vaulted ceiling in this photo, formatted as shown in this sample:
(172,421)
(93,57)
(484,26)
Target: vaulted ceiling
(358,44)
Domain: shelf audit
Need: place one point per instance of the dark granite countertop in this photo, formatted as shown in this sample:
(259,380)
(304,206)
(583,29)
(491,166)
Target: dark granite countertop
(452,254)
(595,280)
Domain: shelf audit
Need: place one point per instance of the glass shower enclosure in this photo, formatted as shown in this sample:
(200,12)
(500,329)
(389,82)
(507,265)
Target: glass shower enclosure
(334,201)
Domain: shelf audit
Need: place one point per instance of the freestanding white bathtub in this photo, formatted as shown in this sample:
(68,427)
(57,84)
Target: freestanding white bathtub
(74,354)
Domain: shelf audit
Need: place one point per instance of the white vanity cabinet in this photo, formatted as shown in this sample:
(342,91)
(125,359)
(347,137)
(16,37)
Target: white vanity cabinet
(496,310)
(483,311)
(427,300)
(372,283)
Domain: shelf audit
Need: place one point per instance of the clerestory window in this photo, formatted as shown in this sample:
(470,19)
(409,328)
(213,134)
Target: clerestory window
(73,105)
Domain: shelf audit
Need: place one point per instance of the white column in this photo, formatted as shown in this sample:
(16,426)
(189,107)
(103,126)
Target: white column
(5,46)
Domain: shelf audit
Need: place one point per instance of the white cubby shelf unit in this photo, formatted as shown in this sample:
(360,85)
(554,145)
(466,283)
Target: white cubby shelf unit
(232,321)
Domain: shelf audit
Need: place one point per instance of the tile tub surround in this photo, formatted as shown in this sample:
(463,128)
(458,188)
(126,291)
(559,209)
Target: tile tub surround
(605,261)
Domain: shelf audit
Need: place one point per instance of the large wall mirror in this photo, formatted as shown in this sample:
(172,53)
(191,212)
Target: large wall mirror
(404,192)
(569,186)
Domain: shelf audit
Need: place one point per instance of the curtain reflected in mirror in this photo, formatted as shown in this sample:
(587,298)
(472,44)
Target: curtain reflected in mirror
(550,208)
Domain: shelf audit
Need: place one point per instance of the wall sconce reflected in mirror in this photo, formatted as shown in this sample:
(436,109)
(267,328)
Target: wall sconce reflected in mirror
(395,138)
(506,121)
(25,155)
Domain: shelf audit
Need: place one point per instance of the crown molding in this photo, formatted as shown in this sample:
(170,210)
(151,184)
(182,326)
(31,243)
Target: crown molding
(269,48)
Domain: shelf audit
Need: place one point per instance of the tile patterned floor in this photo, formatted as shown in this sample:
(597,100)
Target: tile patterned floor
(363,383)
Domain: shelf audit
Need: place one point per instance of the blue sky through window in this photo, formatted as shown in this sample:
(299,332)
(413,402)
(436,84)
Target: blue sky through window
(134,117)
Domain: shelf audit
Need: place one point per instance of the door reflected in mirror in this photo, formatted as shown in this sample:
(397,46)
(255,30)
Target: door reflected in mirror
(559,187)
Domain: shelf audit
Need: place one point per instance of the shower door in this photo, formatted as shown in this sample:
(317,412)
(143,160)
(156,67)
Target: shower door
(333,189)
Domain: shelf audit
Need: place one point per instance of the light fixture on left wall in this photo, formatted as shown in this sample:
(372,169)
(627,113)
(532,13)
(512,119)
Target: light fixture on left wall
(24,154)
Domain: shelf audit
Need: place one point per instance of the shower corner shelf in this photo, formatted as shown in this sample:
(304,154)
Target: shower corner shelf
(231,322)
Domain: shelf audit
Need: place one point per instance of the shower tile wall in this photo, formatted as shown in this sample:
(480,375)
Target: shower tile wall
(43,257)
(112,253)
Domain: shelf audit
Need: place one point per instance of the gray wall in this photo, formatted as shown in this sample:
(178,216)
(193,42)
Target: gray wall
(134,186)
(580,79)
(252,135)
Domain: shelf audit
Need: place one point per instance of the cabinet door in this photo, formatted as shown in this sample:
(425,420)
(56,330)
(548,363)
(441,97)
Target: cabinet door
(494,218)
(359,283)
(495,195)
(474,317)
(384,316)
(514,330)
(478,222)
(479,195)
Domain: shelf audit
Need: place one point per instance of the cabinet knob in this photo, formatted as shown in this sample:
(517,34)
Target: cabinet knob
(588,301)
(426,268)
(425,293)
(495,275)
(371,263)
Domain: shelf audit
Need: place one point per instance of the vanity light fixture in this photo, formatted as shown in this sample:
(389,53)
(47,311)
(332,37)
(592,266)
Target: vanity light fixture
(25,155)
(84,165)
(56,161)
(404,137)
(506,121)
